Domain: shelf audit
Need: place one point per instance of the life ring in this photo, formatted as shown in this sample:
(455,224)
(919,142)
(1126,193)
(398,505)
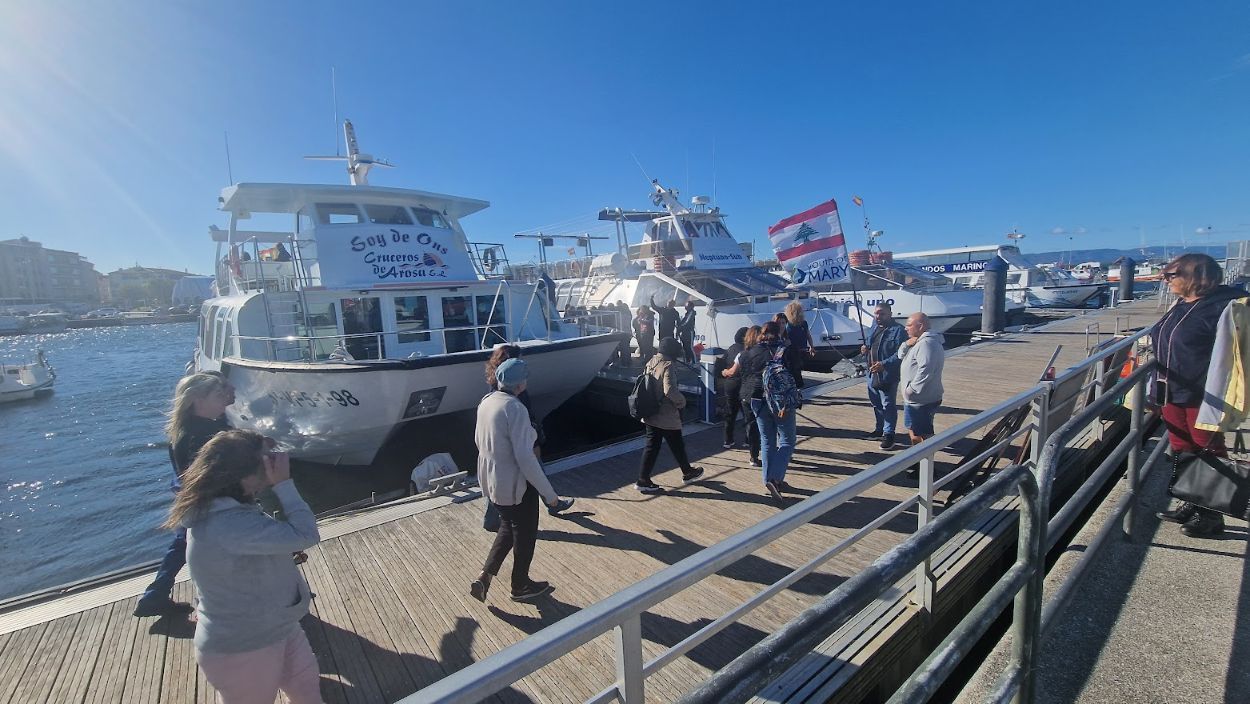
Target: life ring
(489,259)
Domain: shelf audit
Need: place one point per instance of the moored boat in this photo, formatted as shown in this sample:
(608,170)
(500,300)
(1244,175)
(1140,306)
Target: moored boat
(373,312)
(1027,284)
(19,382)
(688,254)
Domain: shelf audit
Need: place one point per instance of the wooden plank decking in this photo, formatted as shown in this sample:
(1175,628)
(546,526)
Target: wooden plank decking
(393,614)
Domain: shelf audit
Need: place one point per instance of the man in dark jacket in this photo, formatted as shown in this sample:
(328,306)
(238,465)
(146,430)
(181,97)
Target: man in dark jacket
(883,372)
(667,315)
(685,332)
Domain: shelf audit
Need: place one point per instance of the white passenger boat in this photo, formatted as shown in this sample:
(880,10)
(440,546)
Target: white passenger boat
(19,382)
(373,311)
(909,289)
(687,253)
(1143,272)
(1027,284)
(1090,272)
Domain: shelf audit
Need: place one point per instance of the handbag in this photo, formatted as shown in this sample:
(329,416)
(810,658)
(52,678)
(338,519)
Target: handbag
(1216,483)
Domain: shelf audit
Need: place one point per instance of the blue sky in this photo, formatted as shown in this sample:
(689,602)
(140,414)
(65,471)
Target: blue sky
(955,121)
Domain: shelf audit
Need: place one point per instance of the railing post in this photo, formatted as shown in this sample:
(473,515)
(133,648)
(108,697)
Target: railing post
(922,596)
(629,677)
(1026,623)
(1100,372)
(1041,424)
(1137,399)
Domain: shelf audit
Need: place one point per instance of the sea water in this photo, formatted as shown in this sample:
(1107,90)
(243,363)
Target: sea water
(84,472)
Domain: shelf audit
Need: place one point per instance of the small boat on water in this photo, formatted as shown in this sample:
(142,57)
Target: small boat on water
(372,312)
(688,254)
(1143,272)
(1027,284)
(46,322)
(19,382)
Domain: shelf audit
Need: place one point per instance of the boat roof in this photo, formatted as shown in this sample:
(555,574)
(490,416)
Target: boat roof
(290,197)
(952,250)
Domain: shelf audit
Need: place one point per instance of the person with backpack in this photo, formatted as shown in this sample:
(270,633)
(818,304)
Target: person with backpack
(662,420)
(774,400)
(644,331)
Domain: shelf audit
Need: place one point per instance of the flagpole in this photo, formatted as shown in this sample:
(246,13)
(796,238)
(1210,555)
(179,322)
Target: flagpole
(859,317)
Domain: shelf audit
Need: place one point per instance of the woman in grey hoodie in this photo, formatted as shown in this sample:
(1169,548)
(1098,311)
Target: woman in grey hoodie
(248,640)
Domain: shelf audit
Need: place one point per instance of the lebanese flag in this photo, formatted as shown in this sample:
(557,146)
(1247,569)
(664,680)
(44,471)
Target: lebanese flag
(817,231)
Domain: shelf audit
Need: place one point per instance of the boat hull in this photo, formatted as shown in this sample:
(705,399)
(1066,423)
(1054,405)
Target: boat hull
(343,413)
(1075,296)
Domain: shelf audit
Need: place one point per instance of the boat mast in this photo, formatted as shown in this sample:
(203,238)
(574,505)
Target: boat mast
(358,164)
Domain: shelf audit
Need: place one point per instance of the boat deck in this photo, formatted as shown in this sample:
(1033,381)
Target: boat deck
(392,611)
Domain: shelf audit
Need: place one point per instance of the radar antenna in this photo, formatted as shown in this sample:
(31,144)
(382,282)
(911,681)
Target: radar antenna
(358,164)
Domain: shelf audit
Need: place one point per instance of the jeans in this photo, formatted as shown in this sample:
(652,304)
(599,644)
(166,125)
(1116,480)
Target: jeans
(518,533)
(651,451)
(884,407)
(163,585)
(778,435)
(255,676)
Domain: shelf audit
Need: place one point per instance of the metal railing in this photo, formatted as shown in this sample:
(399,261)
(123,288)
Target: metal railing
(621,613)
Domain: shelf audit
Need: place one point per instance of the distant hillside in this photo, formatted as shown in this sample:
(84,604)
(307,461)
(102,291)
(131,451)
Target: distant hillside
(1106,256)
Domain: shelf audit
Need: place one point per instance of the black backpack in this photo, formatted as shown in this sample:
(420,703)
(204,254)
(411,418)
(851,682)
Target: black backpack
(643,400)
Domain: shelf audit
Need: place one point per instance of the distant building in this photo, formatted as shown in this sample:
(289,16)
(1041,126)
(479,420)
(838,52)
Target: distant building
(32,273)
(143,286)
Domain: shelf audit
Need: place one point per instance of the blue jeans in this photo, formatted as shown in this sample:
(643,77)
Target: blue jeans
(884,407)
(163,585)
(778,438)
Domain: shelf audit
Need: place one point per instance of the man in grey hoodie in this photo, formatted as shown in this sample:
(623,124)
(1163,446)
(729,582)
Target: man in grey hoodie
(921,376)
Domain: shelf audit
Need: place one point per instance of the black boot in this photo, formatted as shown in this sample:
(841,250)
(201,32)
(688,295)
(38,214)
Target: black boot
(1204,524)
(1180,514)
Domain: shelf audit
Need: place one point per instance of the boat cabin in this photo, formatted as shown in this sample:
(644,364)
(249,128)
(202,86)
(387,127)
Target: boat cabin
(364,273)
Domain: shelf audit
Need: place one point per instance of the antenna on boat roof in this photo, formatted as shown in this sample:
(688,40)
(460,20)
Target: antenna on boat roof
(358,164)
(334,97)
(229,169)
(714,171)
(644,171)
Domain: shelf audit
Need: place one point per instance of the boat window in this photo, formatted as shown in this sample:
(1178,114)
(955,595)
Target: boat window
(362,321)
(206,331)
(457,313)
(1014,279)
(430,218)
(219,336)
(323,328)
(412,313)
(338,214)
(491,312)
(227,339)
(387,214)
(304,220)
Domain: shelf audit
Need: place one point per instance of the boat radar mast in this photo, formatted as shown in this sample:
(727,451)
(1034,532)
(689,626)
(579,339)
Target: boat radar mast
(358,164)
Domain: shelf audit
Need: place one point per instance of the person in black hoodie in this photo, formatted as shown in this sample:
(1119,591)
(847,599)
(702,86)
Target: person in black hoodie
(685,332)
(199,413)
(1183,341)
(667,317)
(731,386)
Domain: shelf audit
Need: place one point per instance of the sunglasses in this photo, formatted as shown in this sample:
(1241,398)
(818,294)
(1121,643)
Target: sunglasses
(1169,275)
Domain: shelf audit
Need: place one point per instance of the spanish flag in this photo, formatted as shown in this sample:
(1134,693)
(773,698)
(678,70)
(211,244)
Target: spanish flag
(857,201)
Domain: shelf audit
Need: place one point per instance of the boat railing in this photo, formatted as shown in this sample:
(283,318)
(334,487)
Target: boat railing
(908,566)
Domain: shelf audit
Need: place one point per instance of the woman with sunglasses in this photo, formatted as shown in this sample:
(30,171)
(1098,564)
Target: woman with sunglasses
(1183,341)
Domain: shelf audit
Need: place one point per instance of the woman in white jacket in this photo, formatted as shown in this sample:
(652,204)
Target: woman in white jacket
(512,479)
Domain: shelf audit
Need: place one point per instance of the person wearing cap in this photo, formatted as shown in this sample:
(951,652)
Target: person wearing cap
(512,479)
(665,424)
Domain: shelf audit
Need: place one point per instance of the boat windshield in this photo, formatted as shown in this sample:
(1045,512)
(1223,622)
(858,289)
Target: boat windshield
(726,284)
(904,274)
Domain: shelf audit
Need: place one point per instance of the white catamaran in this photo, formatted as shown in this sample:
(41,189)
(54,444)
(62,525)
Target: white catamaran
(1027,284)
(687,253)
(372,312)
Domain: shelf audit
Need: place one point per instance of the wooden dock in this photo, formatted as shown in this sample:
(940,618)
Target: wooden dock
(392,611)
